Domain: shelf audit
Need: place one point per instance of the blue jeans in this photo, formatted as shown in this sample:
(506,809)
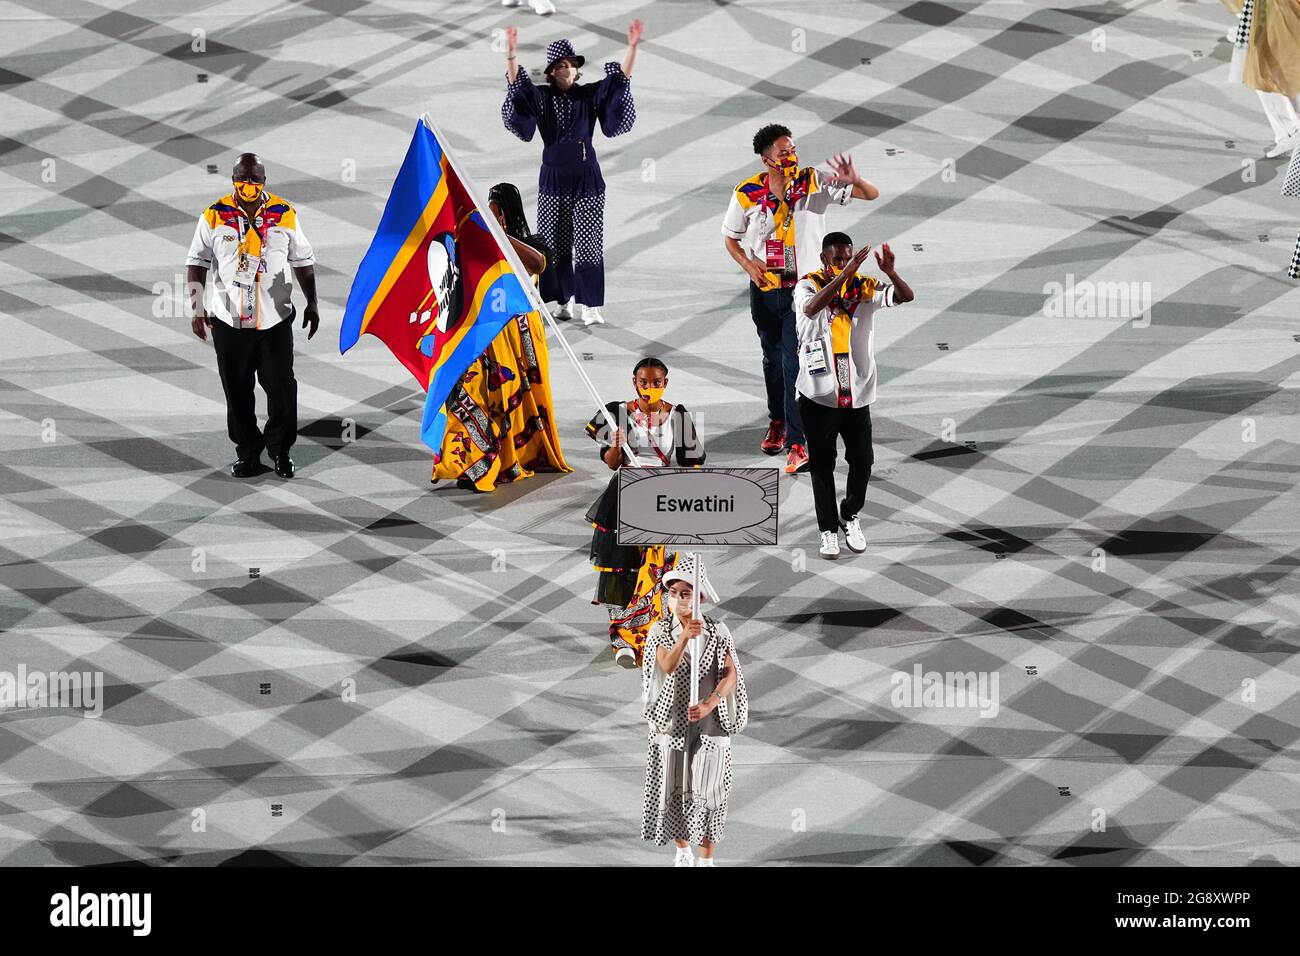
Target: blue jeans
(773,315)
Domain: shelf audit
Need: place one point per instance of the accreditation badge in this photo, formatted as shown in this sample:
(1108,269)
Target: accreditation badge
(780,261)
(814,356)
(246,270)
(775,254)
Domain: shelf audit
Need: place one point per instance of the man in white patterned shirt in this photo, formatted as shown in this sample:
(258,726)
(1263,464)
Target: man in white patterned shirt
(251,240)
(773,230)
(835,309)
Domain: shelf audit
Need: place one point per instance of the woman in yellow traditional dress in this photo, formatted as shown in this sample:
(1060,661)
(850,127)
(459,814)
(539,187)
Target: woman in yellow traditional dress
(500,422)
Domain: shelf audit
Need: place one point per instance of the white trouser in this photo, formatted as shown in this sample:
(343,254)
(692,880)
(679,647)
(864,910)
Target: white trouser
(1281,112)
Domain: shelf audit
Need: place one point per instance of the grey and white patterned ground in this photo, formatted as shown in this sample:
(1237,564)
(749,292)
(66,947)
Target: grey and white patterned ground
(1100,511)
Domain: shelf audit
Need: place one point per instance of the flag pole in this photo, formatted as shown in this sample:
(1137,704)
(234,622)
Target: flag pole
(525,279)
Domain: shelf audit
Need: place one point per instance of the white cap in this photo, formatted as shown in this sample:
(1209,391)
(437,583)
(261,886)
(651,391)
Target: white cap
(683,571)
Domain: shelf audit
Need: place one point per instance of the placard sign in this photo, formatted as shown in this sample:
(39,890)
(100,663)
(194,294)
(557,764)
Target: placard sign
(697,506)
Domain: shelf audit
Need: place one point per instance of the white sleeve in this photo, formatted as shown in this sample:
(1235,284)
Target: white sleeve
(201,245)
(300,251)
(807,327)
(734,223)
(820,201)
(724,632)
(884,295)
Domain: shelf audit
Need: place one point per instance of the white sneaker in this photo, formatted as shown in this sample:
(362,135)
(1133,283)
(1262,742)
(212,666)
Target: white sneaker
(853,536)
(563,311)
(1283,146)
(625,657)
(591,316)
(684,857)
(515,3)
(705,861)
(830,544)
(543,8)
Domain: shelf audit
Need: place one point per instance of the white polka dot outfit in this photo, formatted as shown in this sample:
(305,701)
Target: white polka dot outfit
(666,698)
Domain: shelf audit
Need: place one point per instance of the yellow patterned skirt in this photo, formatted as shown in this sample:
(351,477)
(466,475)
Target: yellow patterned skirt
(500,422)
(630,625)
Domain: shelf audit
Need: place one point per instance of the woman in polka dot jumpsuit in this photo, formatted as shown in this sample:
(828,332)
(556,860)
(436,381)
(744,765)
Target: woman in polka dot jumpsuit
(570,188)
(709,725)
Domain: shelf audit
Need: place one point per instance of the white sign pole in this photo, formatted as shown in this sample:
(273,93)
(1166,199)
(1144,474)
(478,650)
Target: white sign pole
(525,280)
(694,651)
(695,615)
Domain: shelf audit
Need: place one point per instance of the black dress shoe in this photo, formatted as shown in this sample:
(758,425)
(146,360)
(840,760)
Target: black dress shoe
(284,465)
(243,468)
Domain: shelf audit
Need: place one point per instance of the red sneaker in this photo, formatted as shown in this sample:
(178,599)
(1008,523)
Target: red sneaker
(797,460)
(774,440)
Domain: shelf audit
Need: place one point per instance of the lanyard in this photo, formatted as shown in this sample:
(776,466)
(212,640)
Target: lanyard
(797,188)
(258,225)
(247,276)
(643,421)
(782,217)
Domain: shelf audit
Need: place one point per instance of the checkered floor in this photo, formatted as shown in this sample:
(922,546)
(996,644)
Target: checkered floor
(1096,508)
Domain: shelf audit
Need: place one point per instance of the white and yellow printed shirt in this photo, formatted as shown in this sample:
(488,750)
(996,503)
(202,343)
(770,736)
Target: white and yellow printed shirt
(847,330)
(275,235)
(798,218)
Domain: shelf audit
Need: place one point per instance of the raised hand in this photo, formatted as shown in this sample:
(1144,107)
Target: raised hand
(885,258)
(634,33)
(512,40)
(842,170)
(855,263)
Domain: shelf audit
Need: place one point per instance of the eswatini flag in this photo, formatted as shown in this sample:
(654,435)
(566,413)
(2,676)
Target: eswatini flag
(434,285)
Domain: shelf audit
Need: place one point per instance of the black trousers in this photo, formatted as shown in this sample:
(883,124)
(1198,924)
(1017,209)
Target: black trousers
(824,425)
(773,315)
(266,354)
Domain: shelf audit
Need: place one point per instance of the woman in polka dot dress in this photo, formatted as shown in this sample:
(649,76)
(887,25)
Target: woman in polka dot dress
(570,188)
(709,726)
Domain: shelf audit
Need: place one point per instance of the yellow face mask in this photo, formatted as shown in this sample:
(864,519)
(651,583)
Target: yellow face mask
(789,165)
(249,192)
(652,395)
